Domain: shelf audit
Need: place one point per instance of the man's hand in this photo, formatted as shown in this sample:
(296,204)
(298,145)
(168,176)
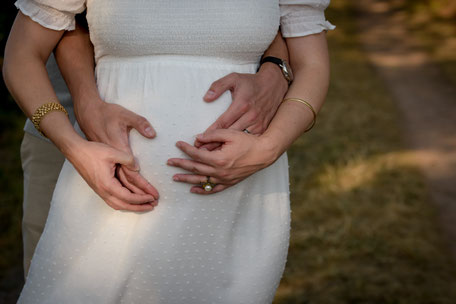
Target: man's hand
(256,98)
(102,122)
(96,163)
(110,124)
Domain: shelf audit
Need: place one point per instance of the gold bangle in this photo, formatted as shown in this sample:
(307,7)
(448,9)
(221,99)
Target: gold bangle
(43,110)
(307,104)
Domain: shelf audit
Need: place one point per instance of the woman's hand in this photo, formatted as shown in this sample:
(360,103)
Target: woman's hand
(97,164)
(239,156)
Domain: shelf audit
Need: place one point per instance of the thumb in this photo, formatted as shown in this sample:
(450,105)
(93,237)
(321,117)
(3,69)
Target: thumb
(219,135)
(218,87)
(142,125)
(126,159)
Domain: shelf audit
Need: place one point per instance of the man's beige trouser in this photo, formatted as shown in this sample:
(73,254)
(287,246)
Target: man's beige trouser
(41,163)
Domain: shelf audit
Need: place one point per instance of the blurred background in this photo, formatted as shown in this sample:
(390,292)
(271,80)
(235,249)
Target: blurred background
(373,185)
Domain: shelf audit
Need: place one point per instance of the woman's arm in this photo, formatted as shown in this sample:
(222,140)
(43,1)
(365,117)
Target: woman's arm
(27,50)
(242,154)
(309,59)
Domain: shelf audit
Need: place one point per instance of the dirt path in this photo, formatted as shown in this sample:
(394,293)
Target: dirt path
(426,98)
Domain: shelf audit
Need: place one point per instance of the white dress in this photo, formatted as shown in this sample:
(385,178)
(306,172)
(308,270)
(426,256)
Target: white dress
(158,58)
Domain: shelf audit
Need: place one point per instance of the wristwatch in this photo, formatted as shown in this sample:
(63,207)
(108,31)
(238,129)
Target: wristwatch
(283,65)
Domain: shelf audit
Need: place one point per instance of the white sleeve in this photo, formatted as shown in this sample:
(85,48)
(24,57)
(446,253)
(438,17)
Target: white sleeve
(52,14)
(303,17)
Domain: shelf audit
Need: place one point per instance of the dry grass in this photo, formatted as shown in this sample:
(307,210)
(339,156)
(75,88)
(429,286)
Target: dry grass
(433,23)
(363,228)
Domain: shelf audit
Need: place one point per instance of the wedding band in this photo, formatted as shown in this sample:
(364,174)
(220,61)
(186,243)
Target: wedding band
(246,131)
(208,186)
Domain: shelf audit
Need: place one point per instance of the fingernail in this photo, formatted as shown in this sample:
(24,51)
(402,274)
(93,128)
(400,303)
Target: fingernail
(170,162)
(200,136)
(176,178)
(209,94)
(149,131)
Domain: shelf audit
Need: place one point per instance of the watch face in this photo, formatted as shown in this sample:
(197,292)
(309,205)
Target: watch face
(287,71)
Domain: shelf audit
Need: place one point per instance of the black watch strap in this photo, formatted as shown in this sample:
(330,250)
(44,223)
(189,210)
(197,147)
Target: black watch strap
(275,60)
(282,64)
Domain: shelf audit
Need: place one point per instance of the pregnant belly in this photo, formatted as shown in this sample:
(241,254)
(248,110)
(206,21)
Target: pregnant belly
(168,91)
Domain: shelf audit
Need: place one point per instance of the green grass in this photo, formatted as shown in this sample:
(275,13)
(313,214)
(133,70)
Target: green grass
(363,229)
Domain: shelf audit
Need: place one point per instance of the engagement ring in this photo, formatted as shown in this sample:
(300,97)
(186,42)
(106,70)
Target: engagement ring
(207,185)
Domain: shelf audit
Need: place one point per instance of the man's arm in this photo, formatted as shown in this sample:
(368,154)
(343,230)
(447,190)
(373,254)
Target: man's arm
(100,121)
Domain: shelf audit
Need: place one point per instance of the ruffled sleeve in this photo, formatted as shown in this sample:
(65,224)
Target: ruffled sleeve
(52,14)
(303,17)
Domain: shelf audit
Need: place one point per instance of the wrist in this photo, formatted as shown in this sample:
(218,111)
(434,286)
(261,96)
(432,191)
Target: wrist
(269,149)
(87,105)
(272,73)
(71,147)
(57,127)
(87,113)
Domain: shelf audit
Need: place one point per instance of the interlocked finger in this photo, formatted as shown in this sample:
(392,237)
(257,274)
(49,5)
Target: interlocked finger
(125,181)
(194,179)
(192,166)
(117,204)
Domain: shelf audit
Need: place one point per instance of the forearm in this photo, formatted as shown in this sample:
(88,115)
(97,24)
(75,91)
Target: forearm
(278,48)
(310,64)
(28,48)
(75,57)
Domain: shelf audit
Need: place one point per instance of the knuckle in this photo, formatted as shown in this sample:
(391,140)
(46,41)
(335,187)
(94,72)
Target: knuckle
(253,116)
(244,106)
(216,84)
(234,76)
(114,206)
(129,178)
(194,169)
(223,124)
(129,158)
(221,162)
(224,175)
(102,188)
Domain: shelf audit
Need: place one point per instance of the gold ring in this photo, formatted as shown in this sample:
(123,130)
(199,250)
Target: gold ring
(207,185)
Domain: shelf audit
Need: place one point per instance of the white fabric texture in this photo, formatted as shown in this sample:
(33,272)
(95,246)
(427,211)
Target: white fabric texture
(56,15)
(158,58)
(302,18)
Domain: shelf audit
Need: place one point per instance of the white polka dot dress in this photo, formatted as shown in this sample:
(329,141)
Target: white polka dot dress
(158,58)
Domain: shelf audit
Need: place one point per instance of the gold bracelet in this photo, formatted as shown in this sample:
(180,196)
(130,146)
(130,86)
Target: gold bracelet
(43,110)
(307,104)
